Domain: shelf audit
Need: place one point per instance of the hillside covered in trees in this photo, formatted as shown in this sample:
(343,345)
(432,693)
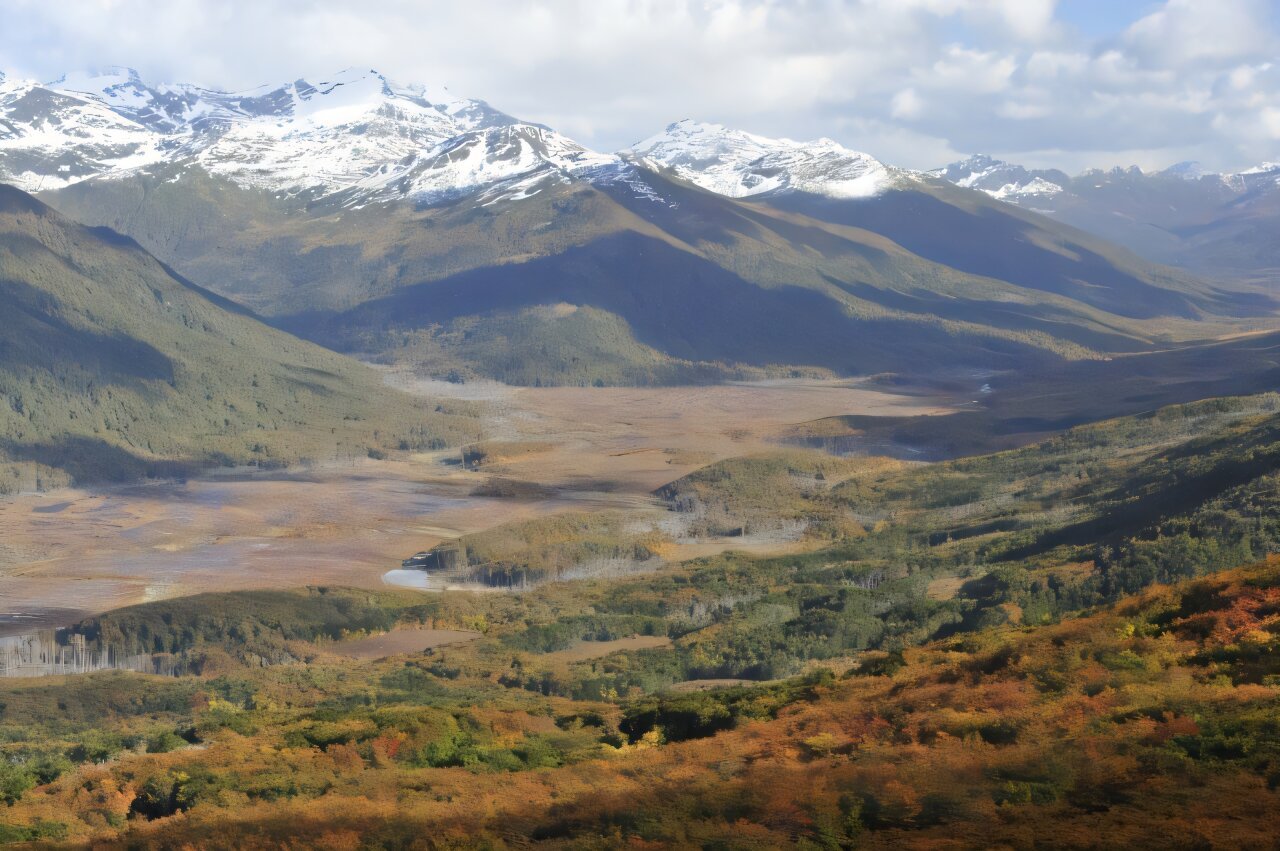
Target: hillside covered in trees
(970,650)
(1151,718)
(114,368)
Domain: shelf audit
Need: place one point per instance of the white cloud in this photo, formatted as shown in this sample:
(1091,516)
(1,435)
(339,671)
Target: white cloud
(907,80)
(977,71)
(1188,30)
(1270,118)
(1028,20)
(906,104)
(1024,110)
(1047,64)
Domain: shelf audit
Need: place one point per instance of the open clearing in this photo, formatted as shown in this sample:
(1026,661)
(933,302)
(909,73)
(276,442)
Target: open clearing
(399,641)
(639,438)
(944,588)
(592,448)
(598,649)
(709,685)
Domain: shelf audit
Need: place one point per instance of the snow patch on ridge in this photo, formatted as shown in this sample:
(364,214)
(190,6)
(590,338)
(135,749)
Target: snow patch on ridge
(1036,186)
(739,164)
(51,139)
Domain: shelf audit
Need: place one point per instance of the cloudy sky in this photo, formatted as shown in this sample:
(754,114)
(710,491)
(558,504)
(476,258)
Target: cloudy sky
(1071,83)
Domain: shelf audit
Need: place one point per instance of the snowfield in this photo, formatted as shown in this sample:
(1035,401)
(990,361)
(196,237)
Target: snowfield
(739,165)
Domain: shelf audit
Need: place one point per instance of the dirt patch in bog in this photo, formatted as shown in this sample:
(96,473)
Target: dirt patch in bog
(398,642)
(596,649)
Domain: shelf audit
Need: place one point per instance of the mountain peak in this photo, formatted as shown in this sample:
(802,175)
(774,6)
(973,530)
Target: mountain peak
(1263,168)
(691,125)
(986,161)
(740,164)
(1187,170)
(92,78)
(509,161)
(110,83)
(365,81)
(1002,180)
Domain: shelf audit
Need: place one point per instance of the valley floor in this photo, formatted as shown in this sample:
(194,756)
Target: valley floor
(714,640)
(552,450)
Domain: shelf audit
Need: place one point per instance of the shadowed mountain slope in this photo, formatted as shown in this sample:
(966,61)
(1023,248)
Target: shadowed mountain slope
(970,232)
(414,226)
(683,285)
(113,367)
(1221,226)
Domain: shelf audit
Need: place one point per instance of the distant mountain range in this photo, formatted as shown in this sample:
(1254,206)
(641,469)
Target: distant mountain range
(412,225)
(1221,225)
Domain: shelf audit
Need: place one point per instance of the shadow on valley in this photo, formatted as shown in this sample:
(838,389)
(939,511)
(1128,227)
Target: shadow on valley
(87,459)
(1026,406)
(1011,316)
(36,335)
(998,244)
(1171,484)
(682,305)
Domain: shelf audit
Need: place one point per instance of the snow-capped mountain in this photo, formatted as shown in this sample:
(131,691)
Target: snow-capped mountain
(356,138)
(1189,170)
(1264,176)
(1182,215)
(356,134)
(1002,180)
(1015,183)
(360,137)
(290,200)
(164,109)
(739,164)
(353,129)
(513,158)
(50,139)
